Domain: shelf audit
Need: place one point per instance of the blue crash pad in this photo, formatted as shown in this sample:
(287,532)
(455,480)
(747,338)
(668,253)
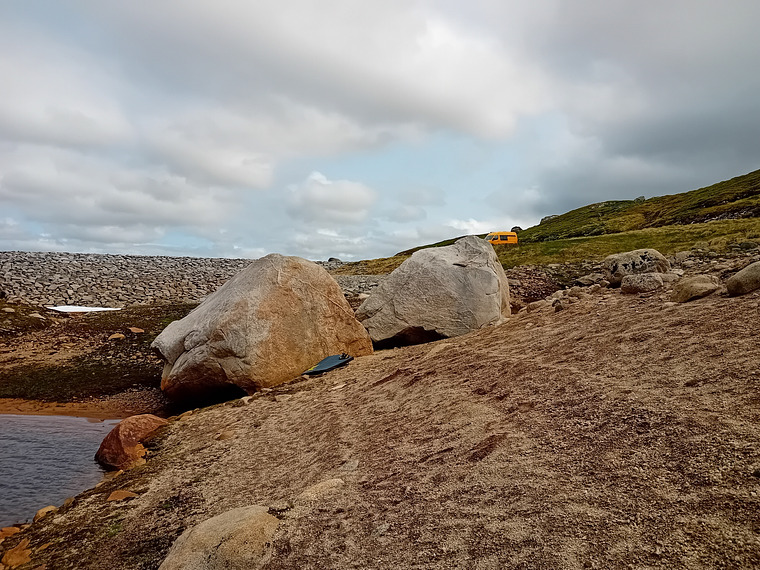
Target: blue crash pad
(334,361)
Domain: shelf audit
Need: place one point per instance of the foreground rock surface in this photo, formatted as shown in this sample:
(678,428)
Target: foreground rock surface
(235,540)
(618,265)
(264,327)
(620,432)
(122,448)
(438,292)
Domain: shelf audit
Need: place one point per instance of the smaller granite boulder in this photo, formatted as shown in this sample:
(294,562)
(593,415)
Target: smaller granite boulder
(235,539)
(618,265)
(695,288)
(641,283)
(439,292)
(746,281)
(122,448)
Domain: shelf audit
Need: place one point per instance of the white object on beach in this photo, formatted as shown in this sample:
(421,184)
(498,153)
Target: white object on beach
(79,309)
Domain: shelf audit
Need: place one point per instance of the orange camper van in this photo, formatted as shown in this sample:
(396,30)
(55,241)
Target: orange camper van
(503,238)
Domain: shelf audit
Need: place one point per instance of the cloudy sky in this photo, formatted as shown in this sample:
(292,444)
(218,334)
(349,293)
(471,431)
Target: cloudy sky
(357,128)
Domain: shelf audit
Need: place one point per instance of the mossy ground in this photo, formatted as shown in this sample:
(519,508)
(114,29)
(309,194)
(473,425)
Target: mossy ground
(65,358)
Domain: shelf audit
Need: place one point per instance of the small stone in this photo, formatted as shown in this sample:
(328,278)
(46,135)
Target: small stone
(246,399)
(116,336)
(121,495)
(282,398)
(8,310)
(44,511)
(381,529)
(350,465)
(338,386)
(280,507)
(319,489)
(224,435)
(136,330)
(36,316)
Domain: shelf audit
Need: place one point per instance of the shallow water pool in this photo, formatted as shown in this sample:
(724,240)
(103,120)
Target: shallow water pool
(44,460)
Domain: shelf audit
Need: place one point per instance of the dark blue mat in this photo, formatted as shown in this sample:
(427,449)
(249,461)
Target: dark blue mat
(334,361)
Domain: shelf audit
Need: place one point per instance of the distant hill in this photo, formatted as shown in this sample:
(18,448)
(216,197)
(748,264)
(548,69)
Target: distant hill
(731,199)
(720,216)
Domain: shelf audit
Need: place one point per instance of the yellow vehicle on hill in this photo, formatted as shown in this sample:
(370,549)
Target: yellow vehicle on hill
(502,238)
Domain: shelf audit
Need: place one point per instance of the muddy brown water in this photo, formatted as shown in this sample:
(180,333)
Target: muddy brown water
(44,460)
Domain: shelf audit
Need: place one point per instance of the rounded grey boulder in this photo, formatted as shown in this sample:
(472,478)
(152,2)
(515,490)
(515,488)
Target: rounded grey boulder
(235,540)
(746,281)
(618,265)
(436,293)
(695,288)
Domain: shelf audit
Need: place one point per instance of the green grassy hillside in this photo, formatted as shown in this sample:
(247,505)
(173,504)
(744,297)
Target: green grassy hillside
(719,236)
(731,199)
(717,217)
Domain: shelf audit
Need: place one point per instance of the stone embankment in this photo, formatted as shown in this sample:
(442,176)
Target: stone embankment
(46,278)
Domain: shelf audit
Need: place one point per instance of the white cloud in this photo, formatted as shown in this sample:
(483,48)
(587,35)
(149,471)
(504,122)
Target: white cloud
(127,123)
(57,94)
(320,200)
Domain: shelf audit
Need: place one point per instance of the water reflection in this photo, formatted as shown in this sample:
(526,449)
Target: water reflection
(44,460)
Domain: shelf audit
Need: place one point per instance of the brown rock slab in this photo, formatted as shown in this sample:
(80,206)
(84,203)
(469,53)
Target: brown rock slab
(44,511)
(121,495)
(7,531)
(18,555)
(122,447)
(116,336)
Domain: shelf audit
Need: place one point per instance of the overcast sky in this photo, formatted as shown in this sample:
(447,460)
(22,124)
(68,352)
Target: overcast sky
(357,128)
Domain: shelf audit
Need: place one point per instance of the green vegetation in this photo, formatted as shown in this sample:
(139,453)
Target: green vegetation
(731,199)
(718,236)
(380,266)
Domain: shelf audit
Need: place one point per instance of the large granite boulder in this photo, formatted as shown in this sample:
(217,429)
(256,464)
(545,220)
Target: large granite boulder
(122,448)
(237,539)
(618,265)
(747,280)
(438,292)
(266,325)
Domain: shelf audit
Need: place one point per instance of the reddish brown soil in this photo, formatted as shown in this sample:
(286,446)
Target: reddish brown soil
(621,432)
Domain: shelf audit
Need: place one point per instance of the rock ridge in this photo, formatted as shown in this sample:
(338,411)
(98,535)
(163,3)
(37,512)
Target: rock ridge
(56,278)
